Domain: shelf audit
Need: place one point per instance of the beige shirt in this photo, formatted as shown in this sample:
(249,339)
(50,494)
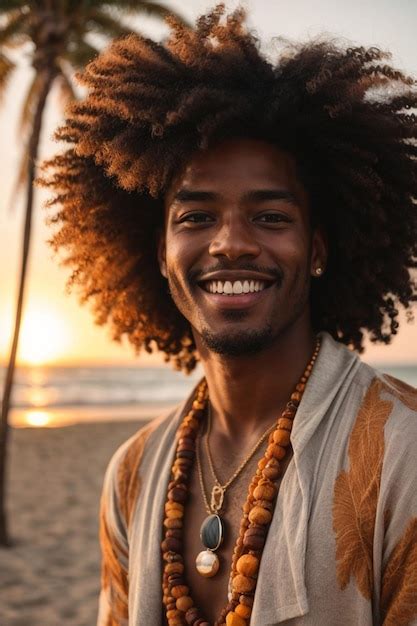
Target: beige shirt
(342,545)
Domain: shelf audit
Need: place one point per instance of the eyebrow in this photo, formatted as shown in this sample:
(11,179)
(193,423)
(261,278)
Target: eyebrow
(262,195)
(188,195)
(257,195)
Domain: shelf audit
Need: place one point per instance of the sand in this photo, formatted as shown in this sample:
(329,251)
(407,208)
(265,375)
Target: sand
(51,576)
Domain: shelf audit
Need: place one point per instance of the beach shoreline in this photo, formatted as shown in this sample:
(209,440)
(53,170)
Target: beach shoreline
(51,575)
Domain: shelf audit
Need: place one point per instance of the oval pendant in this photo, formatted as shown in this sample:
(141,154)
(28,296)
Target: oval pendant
(212,532)
(207,563)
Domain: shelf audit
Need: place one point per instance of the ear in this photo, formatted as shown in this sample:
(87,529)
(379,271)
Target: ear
(319,252)
(162,252)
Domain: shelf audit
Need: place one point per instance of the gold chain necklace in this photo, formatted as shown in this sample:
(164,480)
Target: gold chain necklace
(218,491)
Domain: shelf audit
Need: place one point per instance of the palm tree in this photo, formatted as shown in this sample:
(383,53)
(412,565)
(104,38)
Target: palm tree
(60,36)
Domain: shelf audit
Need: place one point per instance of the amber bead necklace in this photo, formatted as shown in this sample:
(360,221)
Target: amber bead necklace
(257,516)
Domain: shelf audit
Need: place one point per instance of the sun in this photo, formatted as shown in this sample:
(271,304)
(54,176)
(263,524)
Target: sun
(44,337)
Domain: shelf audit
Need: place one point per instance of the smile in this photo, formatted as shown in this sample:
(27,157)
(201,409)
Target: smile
(234,288)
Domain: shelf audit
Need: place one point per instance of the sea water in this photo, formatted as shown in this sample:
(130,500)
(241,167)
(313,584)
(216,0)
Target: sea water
(54,396)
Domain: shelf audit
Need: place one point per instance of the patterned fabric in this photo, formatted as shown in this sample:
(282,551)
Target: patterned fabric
(343,539)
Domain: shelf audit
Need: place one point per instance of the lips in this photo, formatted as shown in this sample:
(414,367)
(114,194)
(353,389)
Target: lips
(234,300)
(236,287)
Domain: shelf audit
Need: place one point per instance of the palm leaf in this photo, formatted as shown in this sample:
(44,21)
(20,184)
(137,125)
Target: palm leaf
(66,88)
(154,9)
(26,114)
(9,5)
(105,24)
(80,53)
(6,68)
(21,177)
(14,31)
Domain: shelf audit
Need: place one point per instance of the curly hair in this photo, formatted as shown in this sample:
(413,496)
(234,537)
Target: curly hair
(344,114)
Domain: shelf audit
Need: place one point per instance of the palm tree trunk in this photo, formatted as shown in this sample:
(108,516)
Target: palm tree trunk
(49,75)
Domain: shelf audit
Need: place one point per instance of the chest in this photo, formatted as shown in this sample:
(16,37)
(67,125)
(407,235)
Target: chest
(210,594)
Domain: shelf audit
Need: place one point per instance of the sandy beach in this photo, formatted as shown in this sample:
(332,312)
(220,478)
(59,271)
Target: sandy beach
(51,576)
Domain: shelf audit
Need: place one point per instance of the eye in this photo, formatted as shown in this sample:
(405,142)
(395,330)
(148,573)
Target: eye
(198,217)
(273,218)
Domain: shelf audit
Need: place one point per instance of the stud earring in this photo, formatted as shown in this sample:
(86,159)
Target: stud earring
(318,271)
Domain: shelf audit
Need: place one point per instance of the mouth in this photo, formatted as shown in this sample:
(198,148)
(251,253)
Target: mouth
(235,294)
(235,288)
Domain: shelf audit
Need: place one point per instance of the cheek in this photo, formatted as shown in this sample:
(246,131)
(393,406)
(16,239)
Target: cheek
(291,251)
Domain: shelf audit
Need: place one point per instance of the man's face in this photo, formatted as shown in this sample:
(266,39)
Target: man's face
(238,251)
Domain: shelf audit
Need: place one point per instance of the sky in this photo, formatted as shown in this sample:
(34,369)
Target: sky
(56,328)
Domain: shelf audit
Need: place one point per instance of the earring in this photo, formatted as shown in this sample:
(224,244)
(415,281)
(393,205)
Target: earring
(318,271)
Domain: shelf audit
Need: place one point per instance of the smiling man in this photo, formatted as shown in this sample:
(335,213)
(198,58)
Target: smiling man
(259,218)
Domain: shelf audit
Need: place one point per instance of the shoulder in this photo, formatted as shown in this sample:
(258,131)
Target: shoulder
(400,391)
(384,414)
(393,404)
(122,479)
(380,386)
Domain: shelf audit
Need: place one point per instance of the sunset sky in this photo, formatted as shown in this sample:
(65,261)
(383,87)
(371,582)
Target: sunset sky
(56,328)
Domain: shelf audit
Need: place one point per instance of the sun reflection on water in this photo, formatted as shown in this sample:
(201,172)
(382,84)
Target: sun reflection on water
(38,418)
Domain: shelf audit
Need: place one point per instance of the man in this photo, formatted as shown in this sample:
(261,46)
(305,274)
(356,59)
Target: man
(221,208)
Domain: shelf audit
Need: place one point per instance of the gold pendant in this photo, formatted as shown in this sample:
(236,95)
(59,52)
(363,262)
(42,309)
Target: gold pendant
(217,497)
(207,563)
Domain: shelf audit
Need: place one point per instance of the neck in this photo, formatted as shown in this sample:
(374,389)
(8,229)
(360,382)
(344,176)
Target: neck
(247,393)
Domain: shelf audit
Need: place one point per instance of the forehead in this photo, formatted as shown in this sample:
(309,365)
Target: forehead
(236,166)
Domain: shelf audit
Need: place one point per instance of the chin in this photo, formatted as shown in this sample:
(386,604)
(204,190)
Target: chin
(239,343)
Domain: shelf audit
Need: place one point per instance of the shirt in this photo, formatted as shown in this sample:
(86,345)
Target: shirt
(342,545)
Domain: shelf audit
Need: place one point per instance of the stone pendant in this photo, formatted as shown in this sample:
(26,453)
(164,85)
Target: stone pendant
(211,535)
(212,532)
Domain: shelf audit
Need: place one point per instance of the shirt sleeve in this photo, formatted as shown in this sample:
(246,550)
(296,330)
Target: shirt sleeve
(113,600)
(398,490)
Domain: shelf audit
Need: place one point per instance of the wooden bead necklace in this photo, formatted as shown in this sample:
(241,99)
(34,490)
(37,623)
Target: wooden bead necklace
(254,526)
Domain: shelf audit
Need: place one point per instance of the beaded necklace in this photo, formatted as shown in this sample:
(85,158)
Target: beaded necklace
(254,526)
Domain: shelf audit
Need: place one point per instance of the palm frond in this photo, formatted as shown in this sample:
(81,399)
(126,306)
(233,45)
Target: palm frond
(66,89)
(14,30)
(6,68)
(79,53)
(21,178)
(9,5)
(26,114)
(105,24)
(154,9)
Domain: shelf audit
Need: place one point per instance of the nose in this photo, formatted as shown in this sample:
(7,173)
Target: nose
(233,240)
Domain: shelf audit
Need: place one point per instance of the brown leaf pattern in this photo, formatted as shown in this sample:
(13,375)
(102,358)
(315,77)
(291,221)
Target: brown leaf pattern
(114,576)
(128,480)
(402,391)
(399,582)
(356,492)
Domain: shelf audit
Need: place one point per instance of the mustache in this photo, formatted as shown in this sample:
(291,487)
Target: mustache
(195,275)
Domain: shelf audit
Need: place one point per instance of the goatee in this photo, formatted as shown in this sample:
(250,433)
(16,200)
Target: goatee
(239,343)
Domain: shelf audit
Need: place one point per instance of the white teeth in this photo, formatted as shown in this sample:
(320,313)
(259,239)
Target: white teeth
(237,287)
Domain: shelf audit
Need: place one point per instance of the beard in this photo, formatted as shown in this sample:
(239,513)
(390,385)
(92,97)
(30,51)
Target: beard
(240,343)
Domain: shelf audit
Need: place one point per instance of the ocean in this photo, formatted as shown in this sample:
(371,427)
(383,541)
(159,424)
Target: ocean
(57,396)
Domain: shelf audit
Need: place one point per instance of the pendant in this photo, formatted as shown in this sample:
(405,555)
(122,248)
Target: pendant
(217,497)
(211,534)
(207,563)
